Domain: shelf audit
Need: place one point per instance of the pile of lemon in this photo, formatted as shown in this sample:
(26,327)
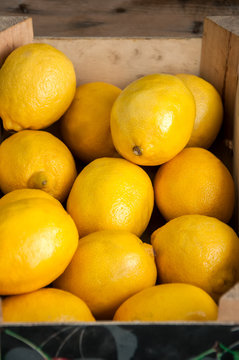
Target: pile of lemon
(69,233)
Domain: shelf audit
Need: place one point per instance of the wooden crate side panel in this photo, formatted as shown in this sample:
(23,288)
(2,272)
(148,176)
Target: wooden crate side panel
(236,152)
(215,44)
(121,60)
(14,32)
(229,306)
(219,61)
(219,65)
(231,80)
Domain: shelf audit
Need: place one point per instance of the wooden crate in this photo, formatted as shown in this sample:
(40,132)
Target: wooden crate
(120,60)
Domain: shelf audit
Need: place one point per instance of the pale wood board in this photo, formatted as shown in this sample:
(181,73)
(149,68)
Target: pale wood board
(9,21)
(231,78)
(229,306)
(14,32)
(236,153)
(219,65)
(118,17)
(219,61)
(122,60)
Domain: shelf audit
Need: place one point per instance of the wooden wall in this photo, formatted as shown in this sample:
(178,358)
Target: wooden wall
(118,17)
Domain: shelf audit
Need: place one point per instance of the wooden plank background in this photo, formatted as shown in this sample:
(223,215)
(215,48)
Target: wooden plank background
(118,17)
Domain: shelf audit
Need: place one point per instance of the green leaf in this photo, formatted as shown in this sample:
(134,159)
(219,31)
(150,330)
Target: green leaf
(236,355)
(204,354)
(27,342)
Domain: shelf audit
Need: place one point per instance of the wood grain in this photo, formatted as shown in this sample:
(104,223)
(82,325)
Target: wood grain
(118,17)
(236,153)
(120,61)
(228,310)
(14,31)
(219,62)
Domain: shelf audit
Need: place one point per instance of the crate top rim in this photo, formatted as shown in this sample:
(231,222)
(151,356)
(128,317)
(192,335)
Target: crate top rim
(65,38)
(122,323)
(228,22)
(8,21)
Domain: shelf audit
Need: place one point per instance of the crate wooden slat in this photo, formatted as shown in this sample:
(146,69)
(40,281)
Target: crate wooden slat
(121,60)
(14,31)
(219,61)
(229,306)
(119,18)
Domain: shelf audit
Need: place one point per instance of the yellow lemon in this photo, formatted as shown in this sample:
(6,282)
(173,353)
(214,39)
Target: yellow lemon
(37,85)
(38,160)
(168,302)
(86,124)
(111,194)
(38,239)
(195,182)
(45,305)
(22,194)
(107,268)
(209,111)
(152,119)
(198,250)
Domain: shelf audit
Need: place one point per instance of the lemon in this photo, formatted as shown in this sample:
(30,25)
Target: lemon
(111,194)
(38,160)
(45,305)
(86,124)
(23,194)
(37,85)
(209,111)
(168,302)
(195,182)
(198,250)
(38,240)
(107,268)
(152,119)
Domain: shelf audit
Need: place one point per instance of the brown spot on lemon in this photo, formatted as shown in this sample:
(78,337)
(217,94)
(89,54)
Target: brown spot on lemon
(36,160)
(137,150)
